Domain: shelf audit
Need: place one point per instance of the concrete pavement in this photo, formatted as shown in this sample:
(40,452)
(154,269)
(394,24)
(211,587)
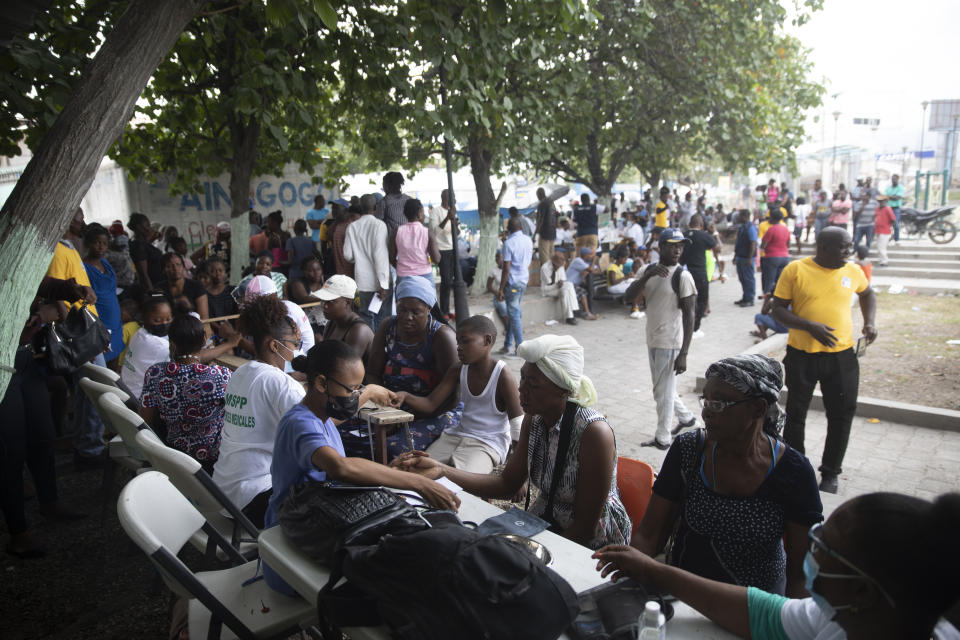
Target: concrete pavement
(881,456)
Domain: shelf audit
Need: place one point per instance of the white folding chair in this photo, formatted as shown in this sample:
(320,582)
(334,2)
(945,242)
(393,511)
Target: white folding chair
(160,520)
(111,378)
(188,476)
(124,421)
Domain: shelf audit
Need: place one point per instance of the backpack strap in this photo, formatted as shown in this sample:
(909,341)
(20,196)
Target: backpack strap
(559,465)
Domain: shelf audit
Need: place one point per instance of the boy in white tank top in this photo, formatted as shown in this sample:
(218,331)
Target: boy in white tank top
(491,402)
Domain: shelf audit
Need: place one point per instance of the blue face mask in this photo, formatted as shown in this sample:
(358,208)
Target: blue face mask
(811,569)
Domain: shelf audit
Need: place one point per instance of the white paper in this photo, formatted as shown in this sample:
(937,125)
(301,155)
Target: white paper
(375,304)
(450,484)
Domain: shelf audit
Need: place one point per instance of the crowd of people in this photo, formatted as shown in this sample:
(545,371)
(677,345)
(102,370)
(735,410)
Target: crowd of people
(346,310)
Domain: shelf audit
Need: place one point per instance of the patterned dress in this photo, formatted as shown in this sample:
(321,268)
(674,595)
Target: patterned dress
(189,398)
(410,368)
(613,527)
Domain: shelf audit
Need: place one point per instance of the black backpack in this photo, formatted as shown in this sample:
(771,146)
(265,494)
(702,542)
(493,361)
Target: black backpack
(449,582)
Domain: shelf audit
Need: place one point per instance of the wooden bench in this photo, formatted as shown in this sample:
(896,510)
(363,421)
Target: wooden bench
(379,422)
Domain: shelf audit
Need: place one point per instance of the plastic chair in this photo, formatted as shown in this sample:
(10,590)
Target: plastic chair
(160,520)
(110,378)
(124,421)
(635,484)
(188,476)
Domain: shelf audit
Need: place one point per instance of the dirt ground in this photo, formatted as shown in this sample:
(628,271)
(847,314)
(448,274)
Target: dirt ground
(911,360)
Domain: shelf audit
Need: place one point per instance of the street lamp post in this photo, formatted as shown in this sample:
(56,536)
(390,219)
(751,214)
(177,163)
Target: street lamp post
(833,163)
(923,120)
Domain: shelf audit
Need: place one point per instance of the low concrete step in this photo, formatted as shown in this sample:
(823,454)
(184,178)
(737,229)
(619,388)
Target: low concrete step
(882,282)
(904,272)
(913,263)
(944,256)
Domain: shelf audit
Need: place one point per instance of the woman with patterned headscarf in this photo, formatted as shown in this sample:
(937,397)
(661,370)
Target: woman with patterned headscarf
(566,450)
(738,500)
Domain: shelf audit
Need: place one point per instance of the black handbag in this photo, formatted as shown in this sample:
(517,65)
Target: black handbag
(76,340)
(321,517)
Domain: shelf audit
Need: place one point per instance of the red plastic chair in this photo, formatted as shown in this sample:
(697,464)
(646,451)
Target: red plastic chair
(635,483)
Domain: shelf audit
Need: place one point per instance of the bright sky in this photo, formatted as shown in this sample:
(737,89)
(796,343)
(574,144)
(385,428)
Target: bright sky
(883,58)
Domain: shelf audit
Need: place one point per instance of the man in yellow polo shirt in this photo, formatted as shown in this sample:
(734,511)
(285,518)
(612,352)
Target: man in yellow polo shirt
(812,300)
(662,210)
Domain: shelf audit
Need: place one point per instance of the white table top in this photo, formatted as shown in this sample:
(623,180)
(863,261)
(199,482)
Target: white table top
(570,560)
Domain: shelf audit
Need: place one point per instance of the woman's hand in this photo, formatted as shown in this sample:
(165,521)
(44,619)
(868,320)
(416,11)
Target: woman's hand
(438,496)
(399,398)
(378,395)
(620,561)
(418,462)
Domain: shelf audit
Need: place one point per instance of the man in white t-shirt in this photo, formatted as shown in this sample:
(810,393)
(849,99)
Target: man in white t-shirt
(632,230)
(670,314)
(442,219)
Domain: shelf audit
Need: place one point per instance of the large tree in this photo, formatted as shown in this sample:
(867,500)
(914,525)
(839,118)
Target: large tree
(652,83)
(242,96)
(486,57)
(65,162)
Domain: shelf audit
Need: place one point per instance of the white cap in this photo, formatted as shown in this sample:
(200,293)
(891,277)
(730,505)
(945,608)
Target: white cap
(260,286)
(338,286)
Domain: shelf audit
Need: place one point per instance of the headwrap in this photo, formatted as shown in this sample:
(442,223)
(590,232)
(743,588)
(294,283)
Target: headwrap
(756,376)
(560,359)
(419,288)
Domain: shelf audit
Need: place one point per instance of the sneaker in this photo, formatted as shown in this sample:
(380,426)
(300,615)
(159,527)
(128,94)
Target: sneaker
(637,314)
(655,443)
(571,321)
(692,422)
(592,316)
(828,483)
(698,333)
(744,303)
(503,351)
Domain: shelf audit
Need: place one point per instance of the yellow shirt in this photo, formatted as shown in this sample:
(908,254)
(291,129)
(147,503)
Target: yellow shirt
(660,220)
(762,229)
(129,328)
(614,270)
(66,264)
(822,295)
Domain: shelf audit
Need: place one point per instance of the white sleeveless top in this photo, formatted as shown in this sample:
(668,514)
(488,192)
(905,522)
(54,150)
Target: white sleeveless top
(481,419)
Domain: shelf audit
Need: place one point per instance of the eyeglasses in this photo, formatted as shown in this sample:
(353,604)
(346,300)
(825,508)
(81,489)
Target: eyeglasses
(718,406)
(297,344)
(354,391)
(816,542)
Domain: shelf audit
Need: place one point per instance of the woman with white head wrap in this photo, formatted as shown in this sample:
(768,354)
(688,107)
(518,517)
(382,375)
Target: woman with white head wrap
(738,500)
(566,450)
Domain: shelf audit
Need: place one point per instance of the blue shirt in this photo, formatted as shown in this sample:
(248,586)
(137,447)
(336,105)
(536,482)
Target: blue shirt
(299,434)
(746,236)
(585,215)
(575,271)
(518,250)
(317,214)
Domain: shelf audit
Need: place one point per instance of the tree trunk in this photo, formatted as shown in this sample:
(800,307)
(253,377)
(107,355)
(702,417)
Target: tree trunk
(480,162)
(38,210)
(244,138)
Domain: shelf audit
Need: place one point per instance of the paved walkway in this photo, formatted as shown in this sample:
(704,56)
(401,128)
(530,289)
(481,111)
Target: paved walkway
(881,456)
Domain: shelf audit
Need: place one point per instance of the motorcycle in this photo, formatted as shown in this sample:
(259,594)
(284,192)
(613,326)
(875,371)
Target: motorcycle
(933,223)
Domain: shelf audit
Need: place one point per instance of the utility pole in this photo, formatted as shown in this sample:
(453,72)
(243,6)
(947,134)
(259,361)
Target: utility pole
(923,120)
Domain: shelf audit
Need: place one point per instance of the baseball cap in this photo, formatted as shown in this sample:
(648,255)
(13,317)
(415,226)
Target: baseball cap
(223,225)
(338,286)
(672,236)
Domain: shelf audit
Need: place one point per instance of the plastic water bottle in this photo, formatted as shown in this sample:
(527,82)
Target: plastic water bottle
(653,624)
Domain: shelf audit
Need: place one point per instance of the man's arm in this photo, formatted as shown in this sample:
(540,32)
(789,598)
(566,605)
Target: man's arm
(868,307)
(821,332)
(504,277)
(687,306)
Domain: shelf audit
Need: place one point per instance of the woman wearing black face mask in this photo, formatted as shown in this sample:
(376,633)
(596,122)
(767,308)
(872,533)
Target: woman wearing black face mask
(308,446)
(149,345)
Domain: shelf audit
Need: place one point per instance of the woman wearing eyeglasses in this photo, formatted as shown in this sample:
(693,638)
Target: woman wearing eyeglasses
(884,566)
(737,499)
(308,445)
(256,397)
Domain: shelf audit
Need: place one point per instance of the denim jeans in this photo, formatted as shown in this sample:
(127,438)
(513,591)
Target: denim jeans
(747,278)
(818,225)
(87,425)
(770,269)
(513,295)
(896,224)
(863,231)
